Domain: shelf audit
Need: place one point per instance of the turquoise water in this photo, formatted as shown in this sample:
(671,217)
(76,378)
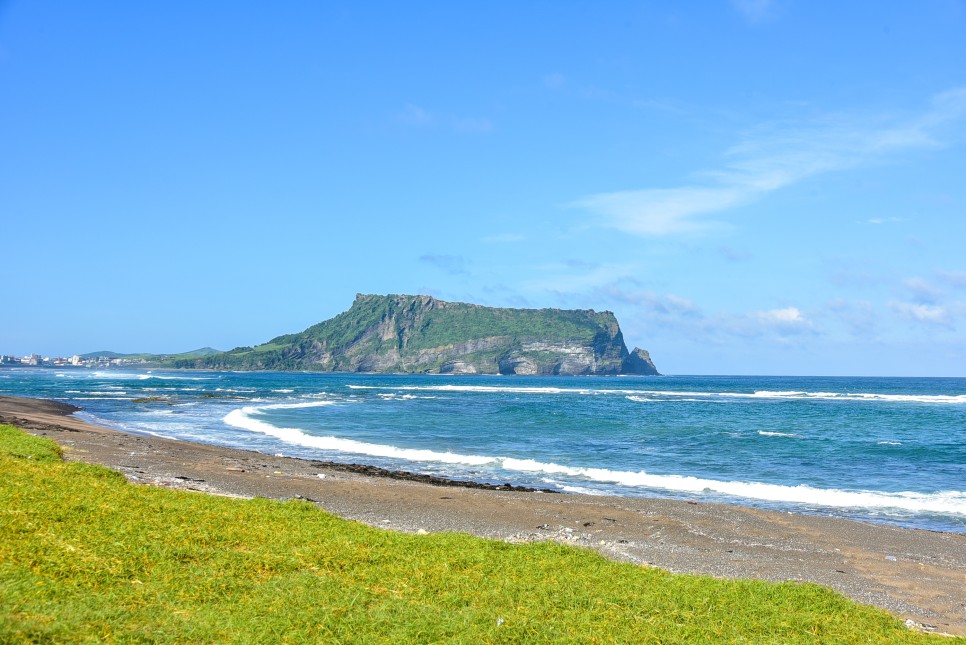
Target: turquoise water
(876,449)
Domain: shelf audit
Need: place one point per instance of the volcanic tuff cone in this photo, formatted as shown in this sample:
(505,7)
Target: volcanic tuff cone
(420,334)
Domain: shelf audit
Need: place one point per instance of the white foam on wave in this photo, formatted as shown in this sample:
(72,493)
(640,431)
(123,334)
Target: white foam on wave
(145,377)
(951,501)
(650,396)
(484,388)
(766,433)
(580,490)
(393,396)
(939,502)
(860,396)
(120,376)
(677,396)
(101,398)
(242,418)
(292,406)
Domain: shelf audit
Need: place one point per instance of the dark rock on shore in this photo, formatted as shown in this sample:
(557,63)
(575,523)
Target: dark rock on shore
(374,471)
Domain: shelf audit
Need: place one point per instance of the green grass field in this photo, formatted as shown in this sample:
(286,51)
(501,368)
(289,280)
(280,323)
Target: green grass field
(87,557)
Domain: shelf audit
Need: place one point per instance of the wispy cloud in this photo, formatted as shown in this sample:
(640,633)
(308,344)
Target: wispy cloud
(566,277)
(451,264)
(878,221)
(935,315)
(667,305)
(678,315)
(471,124)
(859,317)
(414,115)
(754,10)
(772,157)
(921,291)
(786,320)
(955,279)
(661,211)
(583,265)
(554,81)
(734,255)
(504,238)
(419,117)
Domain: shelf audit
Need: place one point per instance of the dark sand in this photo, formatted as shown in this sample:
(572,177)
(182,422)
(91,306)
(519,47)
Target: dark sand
(918,575)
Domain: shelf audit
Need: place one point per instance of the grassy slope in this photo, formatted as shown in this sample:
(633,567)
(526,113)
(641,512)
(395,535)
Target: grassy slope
(452,323)
(86,556)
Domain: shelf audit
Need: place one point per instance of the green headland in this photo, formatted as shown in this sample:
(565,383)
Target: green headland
(420,334)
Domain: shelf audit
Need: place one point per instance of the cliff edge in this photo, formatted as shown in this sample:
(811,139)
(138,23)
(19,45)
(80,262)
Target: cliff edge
(420,334)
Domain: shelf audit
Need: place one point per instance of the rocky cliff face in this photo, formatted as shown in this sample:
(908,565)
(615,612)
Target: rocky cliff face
(420,334)
(639,362)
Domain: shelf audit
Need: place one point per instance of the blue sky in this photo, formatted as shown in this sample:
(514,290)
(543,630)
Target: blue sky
(752,186)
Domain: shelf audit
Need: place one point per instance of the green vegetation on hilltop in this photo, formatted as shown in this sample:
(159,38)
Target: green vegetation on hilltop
(154,358)
(399,333)
(86,556)
(453,322)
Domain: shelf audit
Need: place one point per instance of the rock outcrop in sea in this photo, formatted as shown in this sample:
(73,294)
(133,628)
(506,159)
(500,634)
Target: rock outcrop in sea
(420,334)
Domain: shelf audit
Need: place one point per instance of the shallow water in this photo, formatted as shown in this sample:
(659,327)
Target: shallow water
(877,449)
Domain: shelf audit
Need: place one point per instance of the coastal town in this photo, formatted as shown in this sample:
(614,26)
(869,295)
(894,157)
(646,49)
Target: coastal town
(77,360)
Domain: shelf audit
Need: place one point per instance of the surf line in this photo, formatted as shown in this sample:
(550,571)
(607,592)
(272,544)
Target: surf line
(947,502)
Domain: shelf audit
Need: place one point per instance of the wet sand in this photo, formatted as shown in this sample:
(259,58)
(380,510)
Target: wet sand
(917,575)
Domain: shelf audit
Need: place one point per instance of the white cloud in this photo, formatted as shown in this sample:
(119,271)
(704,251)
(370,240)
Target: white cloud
(928,314)
(787,321)
(786,316)
(771,158)
(882,220)
(921,291)
(661,211)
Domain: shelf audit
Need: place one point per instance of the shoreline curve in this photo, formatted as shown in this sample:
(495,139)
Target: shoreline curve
(916,574)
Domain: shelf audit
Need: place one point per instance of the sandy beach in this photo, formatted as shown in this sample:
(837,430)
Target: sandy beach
(917,575)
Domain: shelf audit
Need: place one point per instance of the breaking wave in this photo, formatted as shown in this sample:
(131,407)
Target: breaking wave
(949,501)
(646,396)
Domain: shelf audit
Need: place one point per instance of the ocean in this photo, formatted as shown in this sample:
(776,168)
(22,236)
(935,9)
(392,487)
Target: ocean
(888,450)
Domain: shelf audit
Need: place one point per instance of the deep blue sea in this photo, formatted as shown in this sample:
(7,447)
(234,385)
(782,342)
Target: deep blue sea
(887,450)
